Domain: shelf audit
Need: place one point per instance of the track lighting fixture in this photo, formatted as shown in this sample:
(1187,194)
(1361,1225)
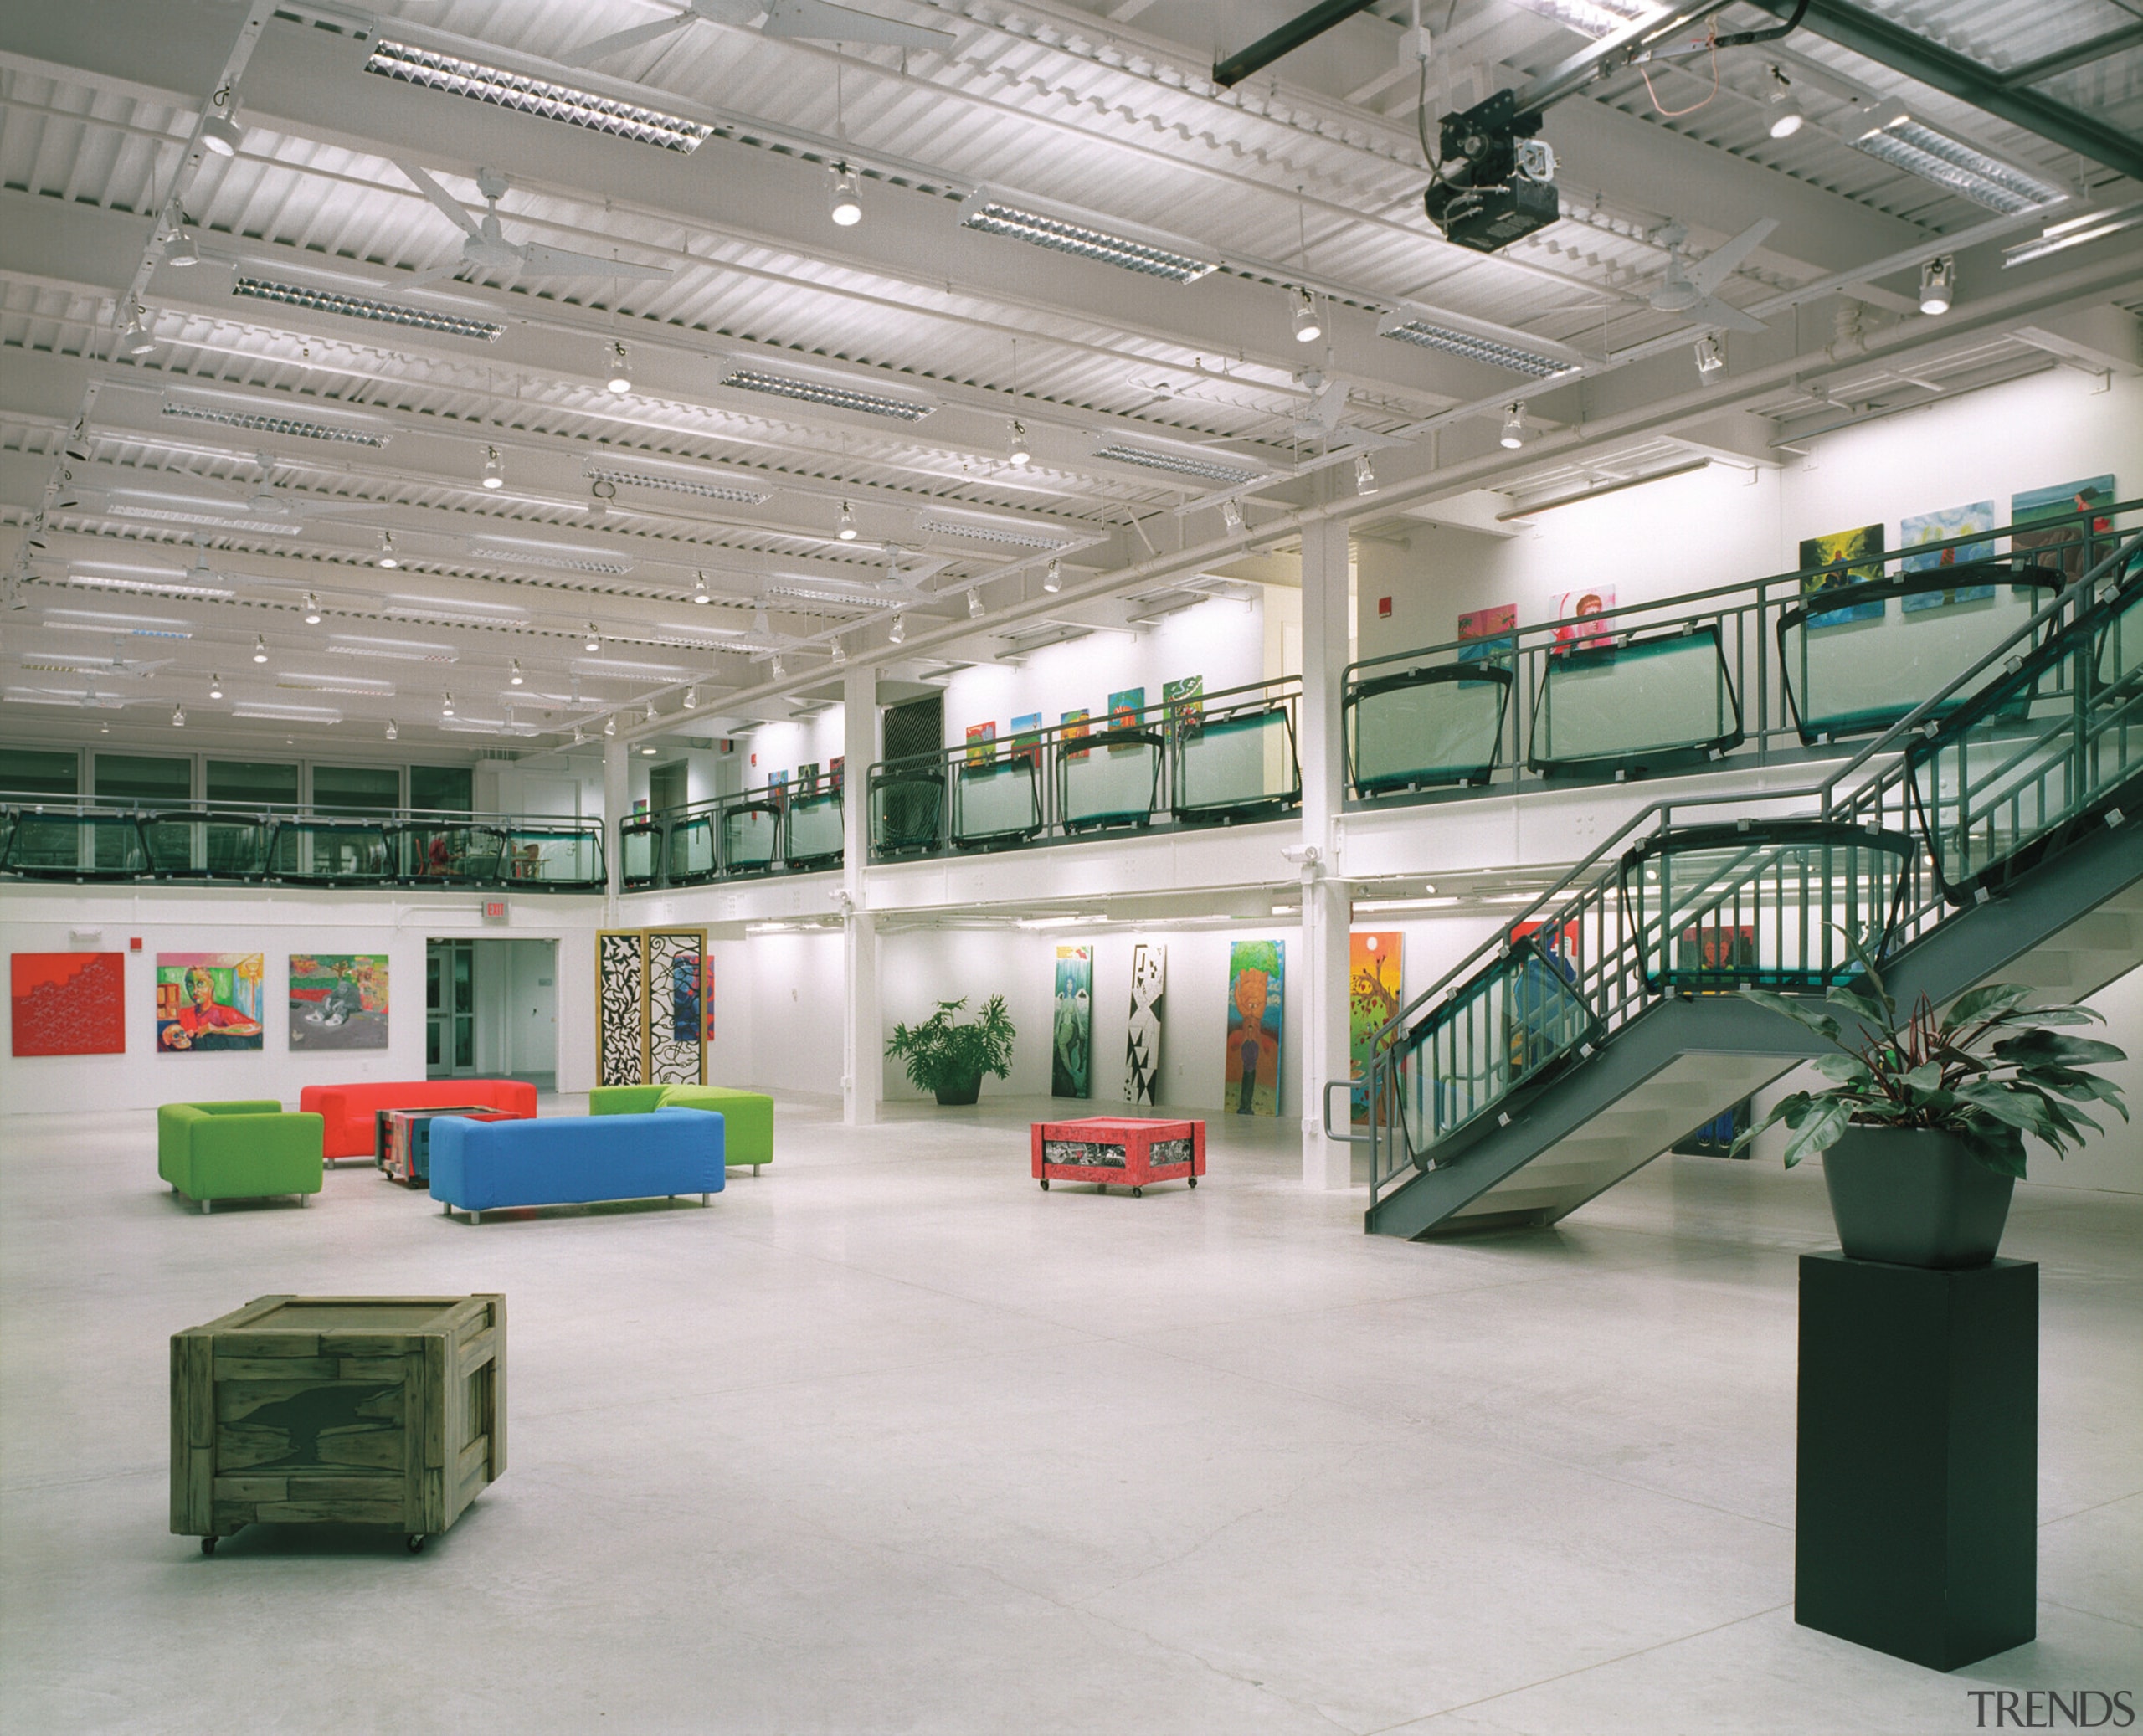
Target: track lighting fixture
(1231,514)
(220,132)
(610,724)
(1711,356)
(103,727)
(1020,454)
(1787,118)
(179,717)
(260,649)
(846,206)
(621,376)
(494,468)
(134,337)
(513,677)
(692,699)
(840,652)
(388,557)
(780,669)
(579,737)
(1308,328)
(594,641)
(215,686)
(1938,284)
(1365,475)
(312,609)
(180,250)
(651,711)
(846,523)
(899,628)
(1052,578)
(974,604)
(446,710)
(392,732)
(1514,434)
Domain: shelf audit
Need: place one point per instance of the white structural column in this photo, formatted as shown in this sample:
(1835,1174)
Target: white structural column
(1322,974)
(862,1068)
(615,806)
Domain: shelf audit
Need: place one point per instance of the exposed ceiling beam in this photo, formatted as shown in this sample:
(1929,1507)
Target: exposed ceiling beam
(1303,28)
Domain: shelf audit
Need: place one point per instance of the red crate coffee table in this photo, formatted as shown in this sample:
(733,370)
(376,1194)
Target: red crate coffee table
(1114,1151)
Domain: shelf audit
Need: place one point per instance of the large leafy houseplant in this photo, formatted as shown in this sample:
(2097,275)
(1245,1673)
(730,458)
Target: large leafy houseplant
(947,1058)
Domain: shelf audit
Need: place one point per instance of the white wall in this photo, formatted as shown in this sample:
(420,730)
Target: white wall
(783,747)
(777,1013)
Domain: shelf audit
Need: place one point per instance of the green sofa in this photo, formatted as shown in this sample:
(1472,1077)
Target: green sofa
(747,1116)
(238,1150)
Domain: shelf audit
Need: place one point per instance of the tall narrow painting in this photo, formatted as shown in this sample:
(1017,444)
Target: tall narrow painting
(1142,1052)
(67,1002)
(1071,1047)
(338,1000)
(1372,979)
(209,1001)
(1256,981)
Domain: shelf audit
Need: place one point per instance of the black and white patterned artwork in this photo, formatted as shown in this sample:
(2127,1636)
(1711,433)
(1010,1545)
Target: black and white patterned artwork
(672,958)
(1142,1070)
(621,1008)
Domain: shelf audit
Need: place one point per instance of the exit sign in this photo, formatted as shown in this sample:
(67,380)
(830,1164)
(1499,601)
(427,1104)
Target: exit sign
(495,910)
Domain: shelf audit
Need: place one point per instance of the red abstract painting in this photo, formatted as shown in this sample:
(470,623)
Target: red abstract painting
(69,1003)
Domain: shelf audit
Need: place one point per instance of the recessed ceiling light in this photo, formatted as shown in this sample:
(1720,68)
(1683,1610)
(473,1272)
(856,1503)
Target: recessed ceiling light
(507,89)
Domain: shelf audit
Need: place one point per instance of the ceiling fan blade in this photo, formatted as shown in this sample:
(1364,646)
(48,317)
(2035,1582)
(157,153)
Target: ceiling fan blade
(822,21)
(558,262)
(619,41)
(1713,311)
(1709,273)
(423,279)
(439,197)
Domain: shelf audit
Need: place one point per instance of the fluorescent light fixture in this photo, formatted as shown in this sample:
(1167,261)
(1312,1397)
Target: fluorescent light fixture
(2091,226)
(599,667)
(1441,335)
(833,398)
(1399,904)
(1042,924)
(360,307)
(258,422)
(451,615)
(1596,18)
(991,533)
(528,557)
(1174,464)
(399,650)
(286,714)
(683,485)
(149,587)
(137,626)
(1921,150)
(993,216)
(507,89)
(845,204)
(501,612)
(215,521)
(353,686)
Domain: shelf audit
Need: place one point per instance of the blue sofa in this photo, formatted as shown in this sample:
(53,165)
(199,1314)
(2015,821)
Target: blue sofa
(481,1166)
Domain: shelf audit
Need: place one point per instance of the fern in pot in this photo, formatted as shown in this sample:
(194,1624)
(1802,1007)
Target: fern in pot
(948,1059)
(1922,1126)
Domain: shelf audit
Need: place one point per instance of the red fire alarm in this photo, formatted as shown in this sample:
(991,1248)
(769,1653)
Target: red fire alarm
(1384,608)
(134,943)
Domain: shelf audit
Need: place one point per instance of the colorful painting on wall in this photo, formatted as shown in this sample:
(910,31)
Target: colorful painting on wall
(834,767)
(1185,705)
(1372,978)
(2060,545)
(1489,635)
(1836,553)
(67,1002)
(338,1000)
(208,1001)
(982,743)
(1027,737)
(1071,1048)
(1123,712)
(1141,1048)
(1587,617)
(1074,726)
(706,994)
(1251,1075)
(807,779)
(1716,948)
(1942,527)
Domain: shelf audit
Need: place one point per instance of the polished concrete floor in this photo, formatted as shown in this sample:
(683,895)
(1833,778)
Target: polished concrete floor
(889,1440)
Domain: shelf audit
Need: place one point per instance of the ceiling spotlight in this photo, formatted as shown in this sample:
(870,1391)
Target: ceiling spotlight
(651,711)
(1938,284)
(1365,475)
(515,676)
(579,737)
(621,377)
(899,630)
(493,468)
(392,732)
(1711,356)
(388,557)
(180,250)
(1787,118)
(846,523)
(699,589)
(847,205)
(692,699)
(594,642)
(220,132)
(260,649)
(134,337)
(649,752)
(974,604)
(610,725)
(1231,514)
(840,652)
(1308,327)
(312,609)
(446,710)
(179,717)
(215,686)
(1513,433)
(1020,454)
(1052,578)
(780,668)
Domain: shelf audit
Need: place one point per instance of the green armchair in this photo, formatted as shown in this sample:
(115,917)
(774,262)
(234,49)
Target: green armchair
(238,1150)
(747,1116)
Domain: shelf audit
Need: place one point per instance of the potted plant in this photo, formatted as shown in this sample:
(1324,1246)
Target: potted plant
(1921,1128)
(948,1059)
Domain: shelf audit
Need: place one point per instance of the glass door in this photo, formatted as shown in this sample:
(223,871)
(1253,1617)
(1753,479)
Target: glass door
(449,1009)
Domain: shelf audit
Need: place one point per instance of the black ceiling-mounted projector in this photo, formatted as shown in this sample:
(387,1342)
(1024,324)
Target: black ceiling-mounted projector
(1496,183)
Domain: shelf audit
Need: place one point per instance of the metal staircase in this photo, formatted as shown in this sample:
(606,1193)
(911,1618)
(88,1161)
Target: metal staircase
(1995,832)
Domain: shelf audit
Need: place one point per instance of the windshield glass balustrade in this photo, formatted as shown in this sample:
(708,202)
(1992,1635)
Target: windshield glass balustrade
(998,800)
(1237,765)
(1108,780)
(639,853)
(1632,709)
(1427,727)
(200,845)
(692,854)
(814,836)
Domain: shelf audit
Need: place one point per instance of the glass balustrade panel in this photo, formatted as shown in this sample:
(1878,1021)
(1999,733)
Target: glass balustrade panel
(541,856)
(1236,764)
(996,802)
(750,837)
(815,829)
(303,851)
(55,845)
(908,811)
(1114,782)
(1438,729)
(637,848)
(1634,708)
(691,848)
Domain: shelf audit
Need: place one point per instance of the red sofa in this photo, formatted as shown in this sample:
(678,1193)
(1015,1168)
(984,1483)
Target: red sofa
(348,1110)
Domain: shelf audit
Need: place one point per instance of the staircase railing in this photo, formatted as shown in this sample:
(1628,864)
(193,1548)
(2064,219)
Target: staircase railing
(2059,730)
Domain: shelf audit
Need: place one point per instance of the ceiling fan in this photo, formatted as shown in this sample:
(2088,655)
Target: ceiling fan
(1689,289)
(484,245)
(804,20)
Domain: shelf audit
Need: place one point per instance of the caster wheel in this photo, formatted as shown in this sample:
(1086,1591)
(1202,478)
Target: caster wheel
(1193,1181)
(415,1542)
(1137,1192)
(1044,1184)
(207,1546)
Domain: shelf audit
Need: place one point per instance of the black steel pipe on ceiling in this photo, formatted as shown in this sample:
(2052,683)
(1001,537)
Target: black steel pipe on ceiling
(1289,37)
